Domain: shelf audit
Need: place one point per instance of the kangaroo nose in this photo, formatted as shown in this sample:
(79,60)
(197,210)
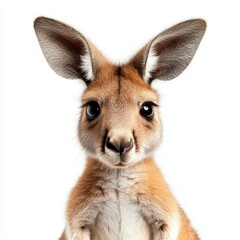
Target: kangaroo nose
(119,146)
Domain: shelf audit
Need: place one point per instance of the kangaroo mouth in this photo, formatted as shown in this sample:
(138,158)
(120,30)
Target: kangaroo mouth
(122,164)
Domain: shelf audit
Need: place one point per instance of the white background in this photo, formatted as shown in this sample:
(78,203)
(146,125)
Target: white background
(40,155)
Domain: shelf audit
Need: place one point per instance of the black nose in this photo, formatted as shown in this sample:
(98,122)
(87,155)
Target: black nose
(119,147)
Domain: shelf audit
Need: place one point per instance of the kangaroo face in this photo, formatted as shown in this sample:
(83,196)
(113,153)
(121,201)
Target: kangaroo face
(120,122)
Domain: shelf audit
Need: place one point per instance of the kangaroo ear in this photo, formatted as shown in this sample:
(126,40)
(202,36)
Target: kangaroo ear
(66,50)
(170,52)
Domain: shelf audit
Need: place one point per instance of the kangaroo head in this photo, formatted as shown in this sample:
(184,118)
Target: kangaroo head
(119,123)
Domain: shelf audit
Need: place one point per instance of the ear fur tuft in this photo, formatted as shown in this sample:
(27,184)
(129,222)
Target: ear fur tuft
(170,52)
(66,50)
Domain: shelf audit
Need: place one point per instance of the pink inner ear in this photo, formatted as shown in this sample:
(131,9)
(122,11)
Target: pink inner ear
(163,50)
(170,52)
(167,45)
(74,45)
(161,69)
(65,49)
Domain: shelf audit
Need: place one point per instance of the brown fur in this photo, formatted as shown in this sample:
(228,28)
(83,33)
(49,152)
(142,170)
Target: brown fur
(87,189)
(115,184)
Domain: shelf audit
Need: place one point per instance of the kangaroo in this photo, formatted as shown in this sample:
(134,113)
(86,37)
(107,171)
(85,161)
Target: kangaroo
(121,194)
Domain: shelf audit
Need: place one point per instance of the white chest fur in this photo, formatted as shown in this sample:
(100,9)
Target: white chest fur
(120,216)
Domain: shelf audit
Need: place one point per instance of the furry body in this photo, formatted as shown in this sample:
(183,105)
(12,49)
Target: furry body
(126,204)
(121,195)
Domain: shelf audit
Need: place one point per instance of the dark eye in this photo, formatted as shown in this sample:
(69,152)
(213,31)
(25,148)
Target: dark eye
(93,110)
(146,110)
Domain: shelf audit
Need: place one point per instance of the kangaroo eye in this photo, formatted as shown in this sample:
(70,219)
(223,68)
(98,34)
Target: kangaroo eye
(146,110)
(93,110)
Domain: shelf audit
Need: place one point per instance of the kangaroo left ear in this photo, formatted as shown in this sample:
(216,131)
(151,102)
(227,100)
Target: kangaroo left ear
(67,51)
(170,52)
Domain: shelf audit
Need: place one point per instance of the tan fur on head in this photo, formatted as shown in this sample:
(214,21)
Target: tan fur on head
(121,194)
(119,97)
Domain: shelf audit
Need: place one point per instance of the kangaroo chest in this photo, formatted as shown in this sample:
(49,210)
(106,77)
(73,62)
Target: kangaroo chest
(120,215)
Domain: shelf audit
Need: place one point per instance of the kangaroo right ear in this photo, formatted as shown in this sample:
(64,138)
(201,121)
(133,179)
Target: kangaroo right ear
(170,52)
(66,50)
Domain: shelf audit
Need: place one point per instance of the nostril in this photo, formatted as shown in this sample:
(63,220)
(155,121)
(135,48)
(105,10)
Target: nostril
(115,147)
(126,147)
(119,147)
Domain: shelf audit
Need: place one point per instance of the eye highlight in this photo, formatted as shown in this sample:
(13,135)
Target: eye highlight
(92,110)
(146,110)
